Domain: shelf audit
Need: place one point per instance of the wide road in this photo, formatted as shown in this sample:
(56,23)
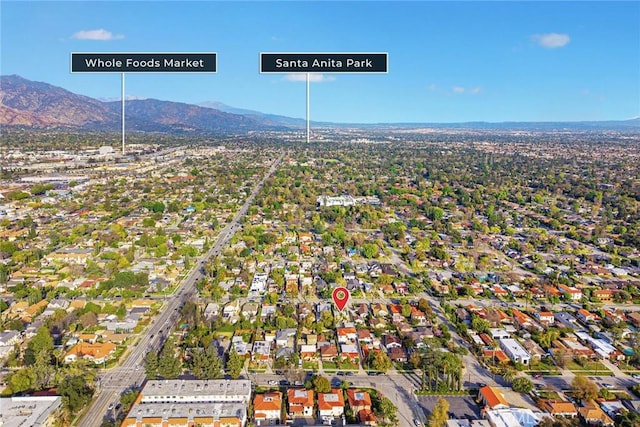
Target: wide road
(130,374)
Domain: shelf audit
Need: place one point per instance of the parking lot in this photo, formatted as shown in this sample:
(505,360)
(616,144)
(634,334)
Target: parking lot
(459,406)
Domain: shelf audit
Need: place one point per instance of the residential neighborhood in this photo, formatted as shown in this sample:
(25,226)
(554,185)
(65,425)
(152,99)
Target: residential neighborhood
(192,284)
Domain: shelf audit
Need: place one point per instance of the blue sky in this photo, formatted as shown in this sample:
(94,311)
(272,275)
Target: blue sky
(448,61)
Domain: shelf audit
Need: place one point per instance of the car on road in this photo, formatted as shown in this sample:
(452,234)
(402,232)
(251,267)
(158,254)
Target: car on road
(272,382)
(636,376)
(110,407)
(536,376)
(349,374)
(340,373)
(608,386)
(416,422)
(298,383)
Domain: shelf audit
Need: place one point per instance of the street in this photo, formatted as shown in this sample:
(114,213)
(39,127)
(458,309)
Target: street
(130,374)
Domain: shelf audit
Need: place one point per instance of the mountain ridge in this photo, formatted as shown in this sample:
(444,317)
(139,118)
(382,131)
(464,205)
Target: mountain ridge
(26,103)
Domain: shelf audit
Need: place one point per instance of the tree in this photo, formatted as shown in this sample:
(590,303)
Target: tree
(42,342)
(439,415)
(479,324)
(22,380)
(386,410)
(75,392)
(378,361)
(151,365)
(321,384)
(583,388)
(235,363)
(370,250)
(406,310)
(205,364)
(522,385)
(169,364)
(127,399)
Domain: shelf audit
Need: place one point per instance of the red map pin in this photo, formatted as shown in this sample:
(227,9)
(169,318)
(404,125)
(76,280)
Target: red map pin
(341,297)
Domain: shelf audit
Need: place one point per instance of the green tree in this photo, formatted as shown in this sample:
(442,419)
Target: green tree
(321,384)
(151,365)
(386,410)
(522,385)
(169,364)
(406,310)
(75,392)
(42,342)
(439,415)
(583,388)
(22,380)
(127,400)
(235,364)
(370,250)
(205,364)
(378,361)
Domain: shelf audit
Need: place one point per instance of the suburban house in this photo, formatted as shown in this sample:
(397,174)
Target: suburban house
(592,415)
(545,317)
(515,351)
(574,294)
(267,407)
(300,402)
(492,398)
(360,403)
(98,353)
(331,404)
(585,316)
(358,400)
(559,408)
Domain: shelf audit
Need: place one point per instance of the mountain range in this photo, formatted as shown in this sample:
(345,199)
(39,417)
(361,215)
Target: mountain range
(29,104)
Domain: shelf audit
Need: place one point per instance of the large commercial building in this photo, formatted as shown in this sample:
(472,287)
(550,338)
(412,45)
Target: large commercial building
(36,411)
(208,403)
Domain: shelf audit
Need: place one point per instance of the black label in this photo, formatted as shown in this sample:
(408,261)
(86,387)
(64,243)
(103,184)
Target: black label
(323,62)
(143,62)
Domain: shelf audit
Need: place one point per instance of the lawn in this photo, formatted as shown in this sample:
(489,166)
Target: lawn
(549,394)
(590,368)
(329,366)
(310,365)
(542,368)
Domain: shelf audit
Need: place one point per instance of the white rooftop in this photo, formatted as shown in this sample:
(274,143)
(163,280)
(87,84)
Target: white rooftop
(27,411)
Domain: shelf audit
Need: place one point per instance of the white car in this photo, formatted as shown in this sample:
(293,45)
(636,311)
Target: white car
(272,382)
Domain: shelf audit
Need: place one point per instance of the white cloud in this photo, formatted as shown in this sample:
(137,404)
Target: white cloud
(468,90)
(551,40)
(313,77)
(432,87)
(100,34)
